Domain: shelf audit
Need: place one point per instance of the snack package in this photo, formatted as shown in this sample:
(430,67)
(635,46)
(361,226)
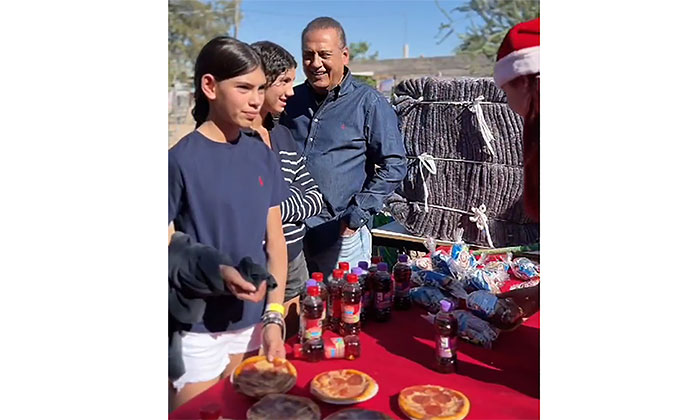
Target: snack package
(520,285)
(503,313)
(482,303)
(434,279)
(429,298)
(476,330)
(445,264)
(525,269)
(496,278)
(480,279)
(442,281)
(459,245)
(422,263)
(466,260)
(489,258)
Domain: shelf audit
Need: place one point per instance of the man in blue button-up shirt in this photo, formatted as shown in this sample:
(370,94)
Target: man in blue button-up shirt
(351,142)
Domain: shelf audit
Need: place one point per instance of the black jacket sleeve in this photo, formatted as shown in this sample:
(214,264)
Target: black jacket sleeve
(193,274)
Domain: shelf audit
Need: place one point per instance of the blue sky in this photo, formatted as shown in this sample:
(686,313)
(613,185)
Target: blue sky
(385,24)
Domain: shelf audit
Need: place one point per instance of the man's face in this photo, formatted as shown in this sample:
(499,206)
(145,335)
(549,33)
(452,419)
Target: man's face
(324,59)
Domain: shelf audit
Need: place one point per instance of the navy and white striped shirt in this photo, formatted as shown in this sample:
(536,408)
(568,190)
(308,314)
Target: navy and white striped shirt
(305,198)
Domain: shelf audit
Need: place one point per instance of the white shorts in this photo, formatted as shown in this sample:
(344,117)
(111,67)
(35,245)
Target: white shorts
(205,355)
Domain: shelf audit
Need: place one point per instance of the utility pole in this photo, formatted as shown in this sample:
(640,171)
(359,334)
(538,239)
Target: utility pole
(236,17)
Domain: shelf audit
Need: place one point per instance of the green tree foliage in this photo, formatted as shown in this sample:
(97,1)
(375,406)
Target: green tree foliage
(191,24)
(368,80)
(359,50)
(489,20)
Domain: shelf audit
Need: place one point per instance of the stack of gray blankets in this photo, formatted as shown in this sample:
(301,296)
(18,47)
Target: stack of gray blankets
(437,117)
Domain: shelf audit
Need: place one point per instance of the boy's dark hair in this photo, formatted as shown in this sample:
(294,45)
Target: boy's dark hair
(275,59)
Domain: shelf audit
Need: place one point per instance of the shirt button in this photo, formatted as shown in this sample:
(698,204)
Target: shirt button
(315,119)
(311,139)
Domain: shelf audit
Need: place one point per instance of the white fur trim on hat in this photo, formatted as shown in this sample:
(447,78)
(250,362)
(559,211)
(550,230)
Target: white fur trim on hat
(518,63)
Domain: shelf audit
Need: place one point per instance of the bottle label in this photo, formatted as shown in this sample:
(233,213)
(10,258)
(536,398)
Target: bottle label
(383,300)
(446,346)
(336,348)
(351,313)
(312,328)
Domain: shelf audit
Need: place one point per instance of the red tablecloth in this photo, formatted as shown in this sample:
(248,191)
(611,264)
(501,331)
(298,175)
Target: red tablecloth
(502,383)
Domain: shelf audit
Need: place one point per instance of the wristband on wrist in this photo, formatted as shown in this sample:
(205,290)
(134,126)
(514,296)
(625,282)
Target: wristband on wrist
(275,307)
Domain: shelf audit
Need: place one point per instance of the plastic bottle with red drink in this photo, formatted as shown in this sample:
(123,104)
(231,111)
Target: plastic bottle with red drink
(352,306)
(445,339)
(333,348)
(311,350)
(383,286)
(402,281)
(312,314)
(345,266)
(302,297)
(323,294)
(352,346)
(335,299)
(366,291)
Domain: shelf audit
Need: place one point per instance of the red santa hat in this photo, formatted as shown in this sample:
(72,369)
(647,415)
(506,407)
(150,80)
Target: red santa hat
(519,54)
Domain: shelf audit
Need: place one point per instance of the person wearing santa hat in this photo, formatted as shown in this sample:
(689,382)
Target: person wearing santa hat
(517,72)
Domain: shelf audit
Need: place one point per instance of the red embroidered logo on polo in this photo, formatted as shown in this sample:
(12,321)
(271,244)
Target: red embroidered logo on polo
(261,181)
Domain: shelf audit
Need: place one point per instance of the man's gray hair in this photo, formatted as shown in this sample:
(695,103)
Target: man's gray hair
(325,22)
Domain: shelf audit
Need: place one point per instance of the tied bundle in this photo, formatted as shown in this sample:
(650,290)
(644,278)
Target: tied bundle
(464,146)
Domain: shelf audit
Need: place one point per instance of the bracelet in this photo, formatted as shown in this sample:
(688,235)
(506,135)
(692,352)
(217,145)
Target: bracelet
(275,320)
(275,307)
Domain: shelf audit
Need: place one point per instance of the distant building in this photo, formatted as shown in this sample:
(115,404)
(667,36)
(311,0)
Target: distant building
(389,72)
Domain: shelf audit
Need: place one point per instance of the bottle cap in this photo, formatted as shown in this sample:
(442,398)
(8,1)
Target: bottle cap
(445,305)
(338,273)
(357,271)
(363,265)
(345,266)
(352,278)
(313,291)
(382,266)
(310,283)
(317,276)
(403,258)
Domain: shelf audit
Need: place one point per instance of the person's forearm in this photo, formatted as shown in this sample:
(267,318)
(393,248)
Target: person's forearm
(301,205)
(276,248)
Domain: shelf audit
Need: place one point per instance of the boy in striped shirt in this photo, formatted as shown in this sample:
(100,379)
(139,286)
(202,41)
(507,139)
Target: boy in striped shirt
(305,200)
